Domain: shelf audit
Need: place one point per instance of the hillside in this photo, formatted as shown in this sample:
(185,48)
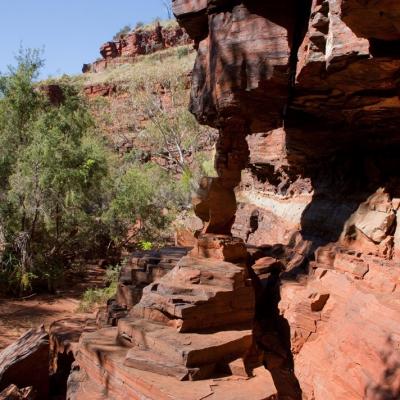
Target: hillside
(127,92)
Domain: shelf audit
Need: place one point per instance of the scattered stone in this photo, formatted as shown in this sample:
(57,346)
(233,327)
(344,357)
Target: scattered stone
(13,393)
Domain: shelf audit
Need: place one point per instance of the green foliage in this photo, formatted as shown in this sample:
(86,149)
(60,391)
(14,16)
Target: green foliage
(182,52)
(52,174)
(112,274)
(175,137)
(145,245)
(95,297)
(64,197)
(143,194)
(122,32)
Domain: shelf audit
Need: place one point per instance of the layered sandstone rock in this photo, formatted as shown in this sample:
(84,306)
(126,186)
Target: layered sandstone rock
(136,43)
(305,95)
(346,71)
(143,268)
(346,320)
(103,374)
(243,58)
(192,324)
(309,91)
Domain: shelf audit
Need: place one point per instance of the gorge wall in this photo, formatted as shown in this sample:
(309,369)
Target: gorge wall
(139,42)
(306,97)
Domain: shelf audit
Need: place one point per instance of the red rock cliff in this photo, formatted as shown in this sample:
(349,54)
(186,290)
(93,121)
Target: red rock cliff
(138,42)
(306,96)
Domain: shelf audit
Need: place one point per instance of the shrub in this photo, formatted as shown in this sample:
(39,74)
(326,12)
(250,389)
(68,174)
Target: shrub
(122,32)
(52,178)
(141,196)
(182,51)
(94,297)
(139,25)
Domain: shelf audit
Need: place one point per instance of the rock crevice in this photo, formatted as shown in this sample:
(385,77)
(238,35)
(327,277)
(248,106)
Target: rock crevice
(313,88)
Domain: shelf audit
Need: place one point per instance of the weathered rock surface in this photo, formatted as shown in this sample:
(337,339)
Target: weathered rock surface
(143,268)
(136,43)
(243,58)
(305,95)
(312,89)
(346,320)
(103,375)
(13,393)
(199,294)
(347,72)
(26,363)
(193,324)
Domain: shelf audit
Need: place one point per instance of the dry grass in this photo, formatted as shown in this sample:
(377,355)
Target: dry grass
(165,23)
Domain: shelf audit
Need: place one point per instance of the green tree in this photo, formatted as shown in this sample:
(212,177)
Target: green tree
(143,204)
(176,139)
(52,174)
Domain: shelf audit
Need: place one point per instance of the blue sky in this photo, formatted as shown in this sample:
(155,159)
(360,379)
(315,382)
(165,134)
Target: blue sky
(70,31)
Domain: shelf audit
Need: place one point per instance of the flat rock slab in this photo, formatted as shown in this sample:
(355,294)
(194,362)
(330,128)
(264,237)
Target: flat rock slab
(186,349)
(151,361)
(102,359)
(199,294)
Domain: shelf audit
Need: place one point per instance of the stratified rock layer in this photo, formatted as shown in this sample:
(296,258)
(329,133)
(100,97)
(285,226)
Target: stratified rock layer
(13,393)
(313,88)
(103,375)
(136,43)
(305,95)
(192,324)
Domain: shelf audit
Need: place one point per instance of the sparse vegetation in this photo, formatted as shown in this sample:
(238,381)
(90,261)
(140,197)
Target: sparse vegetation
(165,23)
(95,297)
(182,52)
(139,25)
(172,133)
(122,32)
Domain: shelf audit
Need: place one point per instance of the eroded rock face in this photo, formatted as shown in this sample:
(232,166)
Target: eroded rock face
(345,319)
(140,42)
(244,55)
(305,95)
(310,91)
(192,324)
(347,71)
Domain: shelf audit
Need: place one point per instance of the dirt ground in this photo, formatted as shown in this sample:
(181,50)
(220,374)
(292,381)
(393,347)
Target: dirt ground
(17,316)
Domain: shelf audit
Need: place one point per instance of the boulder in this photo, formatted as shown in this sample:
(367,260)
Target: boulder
(26,362)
